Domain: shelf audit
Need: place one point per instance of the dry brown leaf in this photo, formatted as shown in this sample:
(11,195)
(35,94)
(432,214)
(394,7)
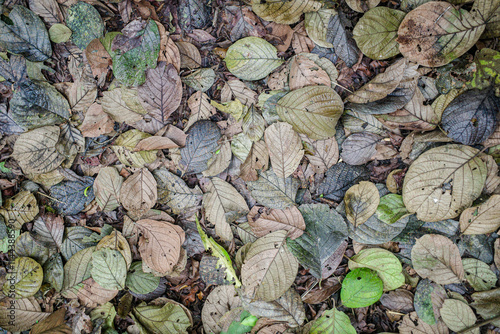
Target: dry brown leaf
(436,257)
(200,107)
(48,10)
(160,244)
(492,178)
(278,80)
(257,159)
(305,72)
(52,324)
(497,253)
(239,90)
(96,122)
(169,52)
(264,221)
(300,41)
(285,148)
(82,94)
(190,56)
(138,193)
(361,202)
(481,219)
(161,94)
(98,58)
(220,161)
(92,294)
(322,154)
(412,324)
(223,205)
(279,35)
(155,143)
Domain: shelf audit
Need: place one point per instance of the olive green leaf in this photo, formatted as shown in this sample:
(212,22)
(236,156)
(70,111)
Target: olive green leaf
(391,208)
(334,320)
(85,22)
(24,279)
(201,80)
(252,58)
(169,318)
(361,202)
(479,275)
(109,269)
(140,282)
(59,33)
(284,12)
(20,209)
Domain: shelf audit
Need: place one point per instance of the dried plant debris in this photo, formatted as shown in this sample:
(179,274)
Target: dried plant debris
(298,166)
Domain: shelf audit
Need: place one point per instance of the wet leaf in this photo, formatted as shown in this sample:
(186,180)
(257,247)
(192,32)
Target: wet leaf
(339,178)
(59,33)
(423,41)
(457,315)
(284,158)
(26,35)
(74,241)
(374,231)
(159,244)
(287,308)
(479,275)
(200,80)
(53,272)
(456,179)
(223,205)
(71,197)
(313,111)
(360,288)
(193,14)
(361,202)
(429,298)
(26,246)
(174,192)
(471,117)
(437,258)
(139,192)
(399,299)
(386,264)
(342,41)
(201,144)
(20,209)
(274,192)
(162,91)
(37,103)
(107,186)
(252,58)
(85,22)
(24,278)
(481,219)
(321,247)
(487,304)
(316,24)
(285,13)
(376,32)
(272,253)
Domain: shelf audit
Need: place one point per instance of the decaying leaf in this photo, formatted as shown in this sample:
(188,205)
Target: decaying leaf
(201,144)
(257,159)
(174,192)
(361,202)
(264,221)
(20,209)
(138,193)
(273,191)
(457,315)
(285,148)
(285,13)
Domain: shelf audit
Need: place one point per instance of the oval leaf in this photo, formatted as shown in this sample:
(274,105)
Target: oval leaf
(361,202)
(360,288)
(284,158)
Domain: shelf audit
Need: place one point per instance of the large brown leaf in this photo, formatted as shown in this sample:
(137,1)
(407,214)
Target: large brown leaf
(257,159)
(481,219)
(223,205)
(264,221)
(437,258)
(285,148)
(160,244)
(269,268)
(138,193)
(107,186)
(322,154)
(162,91)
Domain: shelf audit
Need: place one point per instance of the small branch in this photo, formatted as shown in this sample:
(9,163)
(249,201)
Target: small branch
(486,322)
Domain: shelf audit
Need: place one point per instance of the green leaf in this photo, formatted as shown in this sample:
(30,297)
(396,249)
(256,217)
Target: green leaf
(26,246)
(26,35)
(224,260)
(53,272)
(334,320)
(321,247)
(427,43)
(59,33)
(313,111)
(244,325)
(166,319)
(428,300)
(391,208)
(252,58)
(479,275)
(24,278)
(20,209)
(140,282)
(109,269)
(77,270)
(85,22)
(376,32)
(130,67)
(386,264)
(361,287)
(200,80)
(487,69)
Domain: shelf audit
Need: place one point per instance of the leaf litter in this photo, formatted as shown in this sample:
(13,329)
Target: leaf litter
(250,166)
